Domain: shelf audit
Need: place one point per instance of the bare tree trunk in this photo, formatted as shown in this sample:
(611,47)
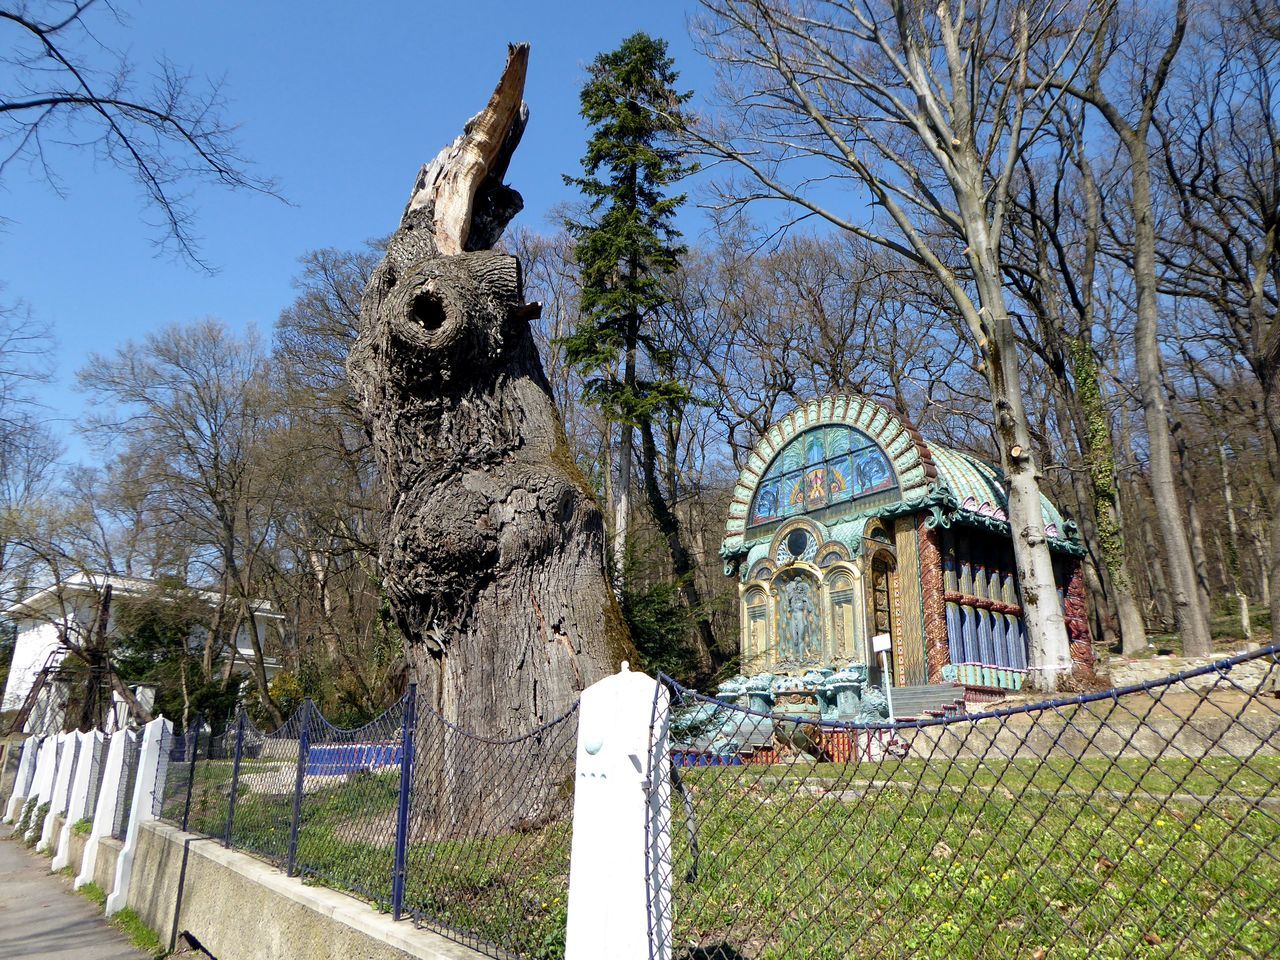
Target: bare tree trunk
(1049,651)
(1195,529)
(98,664)
(1271,410)
(1193,620)
(681,563)
(493,550)
(1099,581)
(1233,545)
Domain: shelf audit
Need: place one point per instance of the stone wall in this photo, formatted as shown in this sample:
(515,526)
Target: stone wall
(242,909)
(1251,676)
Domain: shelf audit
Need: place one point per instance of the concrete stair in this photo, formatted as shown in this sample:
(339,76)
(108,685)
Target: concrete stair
(927,700)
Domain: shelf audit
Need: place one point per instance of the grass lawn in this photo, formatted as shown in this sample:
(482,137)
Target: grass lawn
(963,860)
(979,860)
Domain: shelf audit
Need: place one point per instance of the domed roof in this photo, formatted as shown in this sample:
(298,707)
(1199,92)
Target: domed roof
(908,475)
(979,488)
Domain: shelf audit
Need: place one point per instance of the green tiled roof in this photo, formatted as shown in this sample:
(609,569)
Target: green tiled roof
(979,488)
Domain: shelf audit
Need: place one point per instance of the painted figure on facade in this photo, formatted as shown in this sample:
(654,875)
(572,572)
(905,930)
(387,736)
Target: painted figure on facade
(799,627)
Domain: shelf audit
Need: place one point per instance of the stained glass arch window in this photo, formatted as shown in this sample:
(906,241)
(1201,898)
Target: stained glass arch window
(820,468)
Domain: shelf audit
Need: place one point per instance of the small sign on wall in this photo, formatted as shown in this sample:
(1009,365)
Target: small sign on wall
(881,643)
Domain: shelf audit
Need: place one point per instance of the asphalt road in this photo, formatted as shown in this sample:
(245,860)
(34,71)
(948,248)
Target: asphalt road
(41,919)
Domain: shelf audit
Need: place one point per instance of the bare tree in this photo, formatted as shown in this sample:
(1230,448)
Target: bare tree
(1123,77)
(1054,266)
(1220,152)
(926,110)
(194,406)
(64,88)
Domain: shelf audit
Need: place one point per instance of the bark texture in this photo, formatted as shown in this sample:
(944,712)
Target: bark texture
(492,553)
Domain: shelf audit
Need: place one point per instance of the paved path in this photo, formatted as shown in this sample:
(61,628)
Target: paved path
(41,919)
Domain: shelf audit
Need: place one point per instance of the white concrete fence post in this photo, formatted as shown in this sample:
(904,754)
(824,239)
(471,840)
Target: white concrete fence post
(104,813)
(620,863)
(42,786)
(61,786)
(26,770)
(78,800)
(153,765)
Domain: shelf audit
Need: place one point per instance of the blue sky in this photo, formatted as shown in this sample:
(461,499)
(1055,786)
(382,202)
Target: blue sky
(341,103)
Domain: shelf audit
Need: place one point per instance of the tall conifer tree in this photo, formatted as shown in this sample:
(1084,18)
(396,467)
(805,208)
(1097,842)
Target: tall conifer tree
(626,245)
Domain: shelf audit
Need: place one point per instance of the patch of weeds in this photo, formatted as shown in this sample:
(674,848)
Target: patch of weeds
(24,821)
(142,936)
(82,827)
(93,893)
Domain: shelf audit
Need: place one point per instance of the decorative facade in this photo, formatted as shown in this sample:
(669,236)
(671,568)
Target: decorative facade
(846,524)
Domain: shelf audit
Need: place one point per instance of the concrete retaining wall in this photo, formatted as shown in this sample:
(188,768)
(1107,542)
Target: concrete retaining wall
(241,909)
(104,868)
(75,851)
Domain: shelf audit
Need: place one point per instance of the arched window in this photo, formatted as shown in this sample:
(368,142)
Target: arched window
(820,468)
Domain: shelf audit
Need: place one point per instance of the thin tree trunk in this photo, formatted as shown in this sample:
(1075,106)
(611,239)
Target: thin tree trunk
(1097,577)
(1049,650)
(1193,619)
(1195,529)
(1233,545)
(681,563)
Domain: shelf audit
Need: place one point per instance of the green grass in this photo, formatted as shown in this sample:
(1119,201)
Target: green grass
(951,859)
(93,893)
(82,827)
(139,934)
(978,863)
(508,889)
(127,922)
(1135,776)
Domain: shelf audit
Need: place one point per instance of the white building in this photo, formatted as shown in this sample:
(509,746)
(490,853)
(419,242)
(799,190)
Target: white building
(69,608)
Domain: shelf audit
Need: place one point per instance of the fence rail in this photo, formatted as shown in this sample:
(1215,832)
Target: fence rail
(1139,822)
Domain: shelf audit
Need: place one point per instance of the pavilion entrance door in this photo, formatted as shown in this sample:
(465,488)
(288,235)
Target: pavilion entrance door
(882,587)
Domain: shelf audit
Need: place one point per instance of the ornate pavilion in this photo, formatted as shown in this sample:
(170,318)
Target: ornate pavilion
(846,524)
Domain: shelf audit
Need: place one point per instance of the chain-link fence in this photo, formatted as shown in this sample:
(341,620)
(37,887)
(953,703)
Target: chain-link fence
(468,836)
(128,779)
(1142,822)
(488,857)
(97,766)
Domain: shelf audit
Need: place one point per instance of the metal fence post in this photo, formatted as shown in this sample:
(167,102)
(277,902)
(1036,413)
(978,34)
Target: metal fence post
(304,745)
(402,814)
(191,770)
(235,778)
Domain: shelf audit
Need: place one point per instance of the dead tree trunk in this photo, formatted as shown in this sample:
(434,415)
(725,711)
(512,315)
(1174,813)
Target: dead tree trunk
(492,553)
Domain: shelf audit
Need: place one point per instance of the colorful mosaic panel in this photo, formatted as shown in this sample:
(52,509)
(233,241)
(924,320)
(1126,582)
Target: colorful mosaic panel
(819,468)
